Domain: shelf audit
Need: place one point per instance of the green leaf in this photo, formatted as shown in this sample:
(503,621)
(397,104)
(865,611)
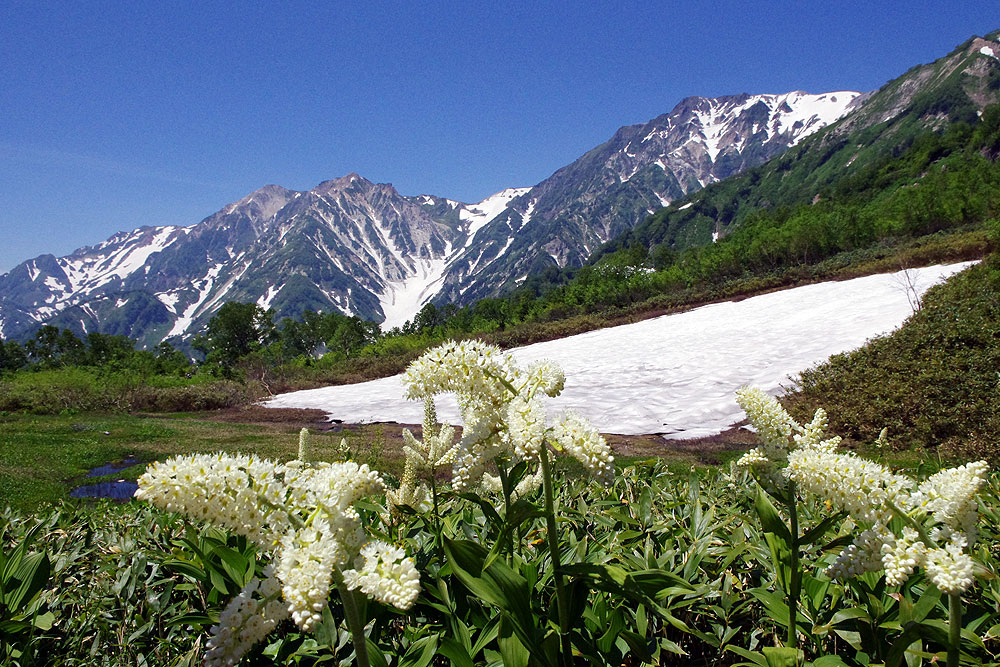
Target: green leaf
(31,575)
(45,621)
(514,653)
(782,656)
(375,656)
(926,603)
(326,630)
(814,534)
(637,645)
(454,651)
(496,584)
(235,564)
(486,635)
(910,636)
(754,657)
(192,619)
(827,661)
(420,653)
(645,507)
(770,519)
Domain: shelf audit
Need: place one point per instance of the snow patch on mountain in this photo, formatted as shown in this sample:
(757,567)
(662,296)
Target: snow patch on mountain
(810,113)
(403,299)
(477,215)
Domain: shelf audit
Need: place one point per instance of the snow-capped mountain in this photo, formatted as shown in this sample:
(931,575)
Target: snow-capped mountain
(642,168)
(364,249)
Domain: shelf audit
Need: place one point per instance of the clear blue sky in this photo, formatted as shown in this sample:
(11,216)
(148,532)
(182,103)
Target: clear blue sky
(118,115)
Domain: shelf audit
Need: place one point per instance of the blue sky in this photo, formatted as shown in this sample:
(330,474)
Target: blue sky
(118,115)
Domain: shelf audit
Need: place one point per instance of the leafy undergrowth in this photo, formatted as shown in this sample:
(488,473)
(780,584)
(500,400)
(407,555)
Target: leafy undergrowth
(131,585)
(934,383)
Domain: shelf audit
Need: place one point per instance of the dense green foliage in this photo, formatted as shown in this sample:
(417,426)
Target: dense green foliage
(934,383)
(55,371)
(664,568)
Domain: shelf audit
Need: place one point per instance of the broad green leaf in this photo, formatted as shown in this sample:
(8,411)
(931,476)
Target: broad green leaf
(420,653)
(30,576)
(754,657)
(513,651)
(816,533)
(782,656)
(454,651)
(235,564)
(375,655)
(496,584)
(770,519)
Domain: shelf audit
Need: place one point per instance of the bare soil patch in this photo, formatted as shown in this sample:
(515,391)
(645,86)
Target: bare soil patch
(708,450)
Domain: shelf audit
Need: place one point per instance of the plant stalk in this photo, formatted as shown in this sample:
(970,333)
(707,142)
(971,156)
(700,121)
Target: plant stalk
(954,628)
(795,583)
(505,487)
(550,525)
(355,624)
(437,517)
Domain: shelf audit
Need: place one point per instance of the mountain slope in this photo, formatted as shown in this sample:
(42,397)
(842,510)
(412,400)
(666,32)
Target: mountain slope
(642,168)
(953,89)
(364,249)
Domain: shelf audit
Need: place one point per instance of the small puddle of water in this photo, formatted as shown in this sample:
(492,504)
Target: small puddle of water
(113,467)
(119,490)
(116,490)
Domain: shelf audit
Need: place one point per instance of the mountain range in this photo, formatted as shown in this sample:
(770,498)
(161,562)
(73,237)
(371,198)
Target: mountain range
(365,249)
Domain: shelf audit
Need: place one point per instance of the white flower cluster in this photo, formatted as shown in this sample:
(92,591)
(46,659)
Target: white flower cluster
(243,494)
(861,488)
(387,575)
(528,485)
(247,619)
(501,408)
(301,514)
(779,432)
(950,496)
(873,495)
(577,437)
(526,420)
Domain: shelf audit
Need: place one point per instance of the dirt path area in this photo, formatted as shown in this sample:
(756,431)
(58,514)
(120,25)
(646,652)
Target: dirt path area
(710,450)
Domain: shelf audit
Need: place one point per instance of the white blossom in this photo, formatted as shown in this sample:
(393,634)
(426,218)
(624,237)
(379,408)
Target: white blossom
(502,414)
(578,438)
(387,575)
(950,496)
(300,513)
(249,617)
(526,421)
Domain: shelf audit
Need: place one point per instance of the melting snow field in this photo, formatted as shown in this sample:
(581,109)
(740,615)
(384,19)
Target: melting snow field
(675,375)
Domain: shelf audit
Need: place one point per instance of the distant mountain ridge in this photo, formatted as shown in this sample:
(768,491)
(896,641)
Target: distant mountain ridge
(364,249)
(640,169)
(932,96)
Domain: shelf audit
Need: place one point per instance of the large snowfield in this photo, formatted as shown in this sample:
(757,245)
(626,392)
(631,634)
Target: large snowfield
(675,375)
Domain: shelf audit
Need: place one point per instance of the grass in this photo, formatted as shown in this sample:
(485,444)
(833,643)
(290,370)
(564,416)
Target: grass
(44,457)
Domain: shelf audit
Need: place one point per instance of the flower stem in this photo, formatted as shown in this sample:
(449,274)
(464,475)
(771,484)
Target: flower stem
(954,628)
(355,624)
(506,490)
(437,517)
(550,526)
(795,584)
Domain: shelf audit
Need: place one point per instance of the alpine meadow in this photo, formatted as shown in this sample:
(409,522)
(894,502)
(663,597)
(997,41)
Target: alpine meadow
(771,440)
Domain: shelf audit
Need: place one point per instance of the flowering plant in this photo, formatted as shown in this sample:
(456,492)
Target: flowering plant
(502,411)
(936,519)
(303,516)
(504,421)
